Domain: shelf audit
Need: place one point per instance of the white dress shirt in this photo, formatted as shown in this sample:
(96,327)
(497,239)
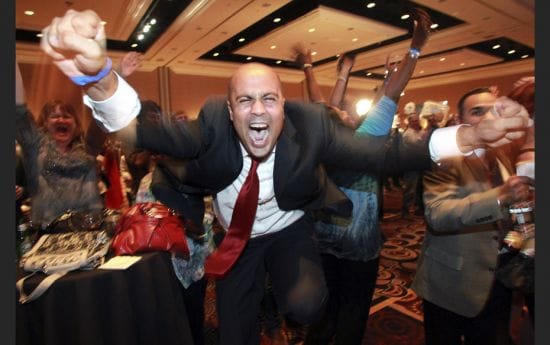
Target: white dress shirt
(269,217)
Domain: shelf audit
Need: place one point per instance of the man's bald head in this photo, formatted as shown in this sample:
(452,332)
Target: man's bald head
(249,70)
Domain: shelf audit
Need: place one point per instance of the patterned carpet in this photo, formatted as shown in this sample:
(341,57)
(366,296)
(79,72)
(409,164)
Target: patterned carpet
(395,315)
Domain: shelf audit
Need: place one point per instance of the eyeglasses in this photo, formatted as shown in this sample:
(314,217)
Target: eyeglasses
(59,116)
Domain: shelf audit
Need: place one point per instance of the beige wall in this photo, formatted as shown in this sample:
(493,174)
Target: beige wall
(44,82)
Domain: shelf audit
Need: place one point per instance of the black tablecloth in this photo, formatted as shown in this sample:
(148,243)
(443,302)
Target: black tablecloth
(140,305)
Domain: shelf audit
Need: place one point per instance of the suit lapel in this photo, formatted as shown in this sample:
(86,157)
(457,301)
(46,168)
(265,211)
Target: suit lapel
(286,153)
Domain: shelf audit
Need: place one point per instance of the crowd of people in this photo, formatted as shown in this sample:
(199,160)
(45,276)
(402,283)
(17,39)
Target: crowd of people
(295,189)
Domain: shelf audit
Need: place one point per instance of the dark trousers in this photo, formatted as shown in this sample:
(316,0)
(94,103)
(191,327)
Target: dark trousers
(489,327)
(297,278)
(193,297)
(351,286)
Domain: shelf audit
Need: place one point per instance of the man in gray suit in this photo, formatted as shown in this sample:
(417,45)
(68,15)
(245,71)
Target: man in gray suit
(288,142)
(466,211)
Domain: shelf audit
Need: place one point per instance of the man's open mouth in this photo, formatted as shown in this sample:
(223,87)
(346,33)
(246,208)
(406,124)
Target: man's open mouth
(258,133)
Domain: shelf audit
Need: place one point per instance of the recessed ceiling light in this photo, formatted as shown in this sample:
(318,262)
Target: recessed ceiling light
(140,37)
(311,30)
(313,53)
(434,26)
(496,46)
(249,58)
(442,59)
(371,5)
(29,13)
(510,52)
(134,45)
(153,21)
(276,20)
(216,54)
(354,39)
(278,62)
(273,47)
(146,28)
(369,74)
(242,39)
(405,16)
(524,56)
(39,35)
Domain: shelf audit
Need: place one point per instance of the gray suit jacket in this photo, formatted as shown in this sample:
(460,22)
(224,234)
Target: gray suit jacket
(456,268)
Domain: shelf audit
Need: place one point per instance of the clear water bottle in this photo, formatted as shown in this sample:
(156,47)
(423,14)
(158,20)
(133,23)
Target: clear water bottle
(24,238)
(523,217)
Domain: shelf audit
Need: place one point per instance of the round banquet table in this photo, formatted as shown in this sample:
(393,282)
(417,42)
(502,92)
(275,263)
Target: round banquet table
(142,304)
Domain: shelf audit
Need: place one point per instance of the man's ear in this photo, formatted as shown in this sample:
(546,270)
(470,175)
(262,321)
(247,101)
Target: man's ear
(230,110)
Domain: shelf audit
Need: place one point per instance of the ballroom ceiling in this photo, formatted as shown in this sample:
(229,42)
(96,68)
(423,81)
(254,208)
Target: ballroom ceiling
(473,38)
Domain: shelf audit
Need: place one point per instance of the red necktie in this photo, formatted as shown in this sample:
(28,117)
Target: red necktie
(221,261)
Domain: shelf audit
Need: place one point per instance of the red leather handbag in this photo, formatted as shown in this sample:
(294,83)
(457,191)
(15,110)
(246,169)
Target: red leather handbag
(147,227)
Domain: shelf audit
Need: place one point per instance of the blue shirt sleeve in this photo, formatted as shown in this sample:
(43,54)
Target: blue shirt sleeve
(379,118)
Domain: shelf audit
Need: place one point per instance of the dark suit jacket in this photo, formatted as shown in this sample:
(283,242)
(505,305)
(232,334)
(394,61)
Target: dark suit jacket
(456,269)
(310,138)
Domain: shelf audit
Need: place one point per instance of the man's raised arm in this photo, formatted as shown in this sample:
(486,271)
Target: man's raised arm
(76,43)
(511,121)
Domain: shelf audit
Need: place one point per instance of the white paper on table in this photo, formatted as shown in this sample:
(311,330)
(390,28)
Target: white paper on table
(120,262)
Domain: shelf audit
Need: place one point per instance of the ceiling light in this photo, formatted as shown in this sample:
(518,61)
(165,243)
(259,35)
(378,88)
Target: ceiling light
(29,13)
(496,46)
(371,5)
(249,58)
(311,30)
(39,35)
(276,20)
(434,26)
(405,16)
(141,36)
(146,28)
(216,54)
(362,106)
(313,53)
(369,74)
(525,56)
(134,45)
(442,59)
(273,47)
(241,39)
(278,62)
(153,21)
(510,52)
(354,39)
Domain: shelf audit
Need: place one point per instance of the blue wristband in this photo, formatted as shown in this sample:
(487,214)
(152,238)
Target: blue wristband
(414,53)
(87,79)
